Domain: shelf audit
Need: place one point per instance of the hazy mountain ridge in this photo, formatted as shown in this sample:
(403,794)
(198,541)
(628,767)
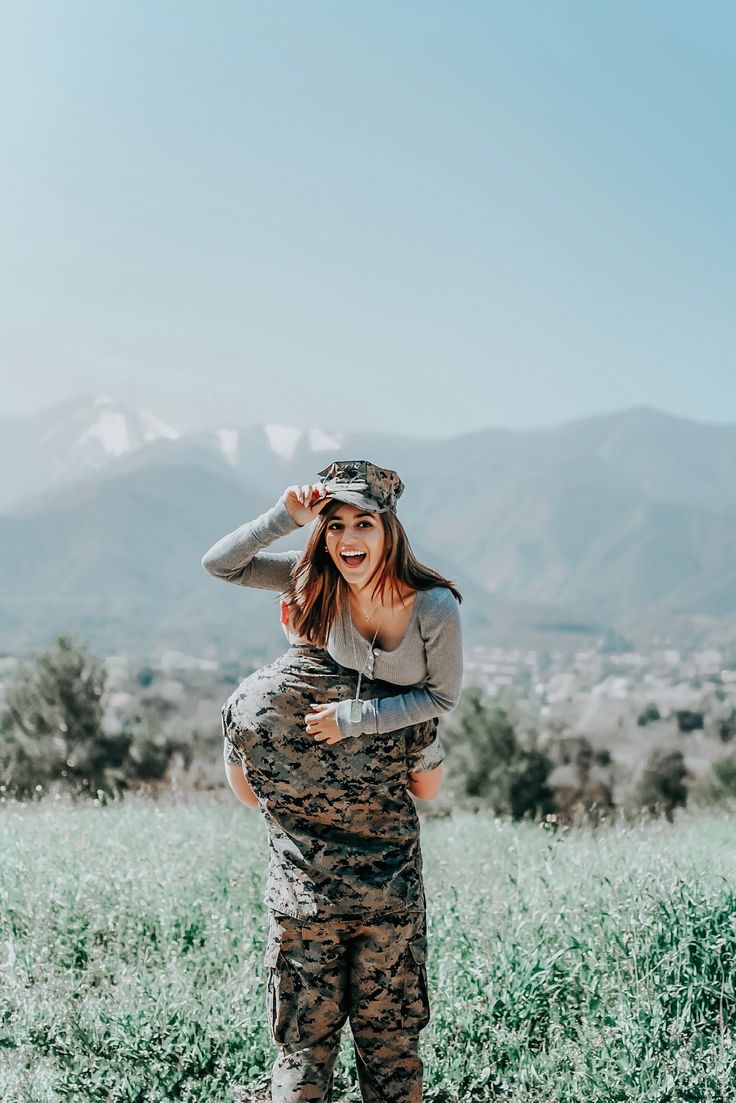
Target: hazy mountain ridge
(117,559)
(43,452)
(665,457)
(621,519)
(55,447)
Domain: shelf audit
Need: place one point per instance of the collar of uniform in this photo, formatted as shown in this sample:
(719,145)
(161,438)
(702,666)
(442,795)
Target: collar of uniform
(305,649)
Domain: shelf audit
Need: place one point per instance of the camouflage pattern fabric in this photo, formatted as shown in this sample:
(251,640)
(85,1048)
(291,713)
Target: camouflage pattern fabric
(372,972)
(361,483)
(343,830)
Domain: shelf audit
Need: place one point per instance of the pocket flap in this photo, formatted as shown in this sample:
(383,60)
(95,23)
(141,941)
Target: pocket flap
(418,950)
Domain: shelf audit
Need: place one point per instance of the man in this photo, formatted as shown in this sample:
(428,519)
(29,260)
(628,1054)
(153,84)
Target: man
(347,923)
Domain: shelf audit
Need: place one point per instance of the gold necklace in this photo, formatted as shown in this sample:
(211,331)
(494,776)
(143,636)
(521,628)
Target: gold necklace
(366,615)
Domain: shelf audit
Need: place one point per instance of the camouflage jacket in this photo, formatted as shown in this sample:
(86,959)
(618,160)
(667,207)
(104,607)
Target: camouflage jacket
(343,830)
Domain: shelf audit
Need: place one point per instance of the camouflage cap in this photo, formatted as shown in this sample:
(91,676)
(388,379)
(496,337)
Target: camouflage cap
(361,483)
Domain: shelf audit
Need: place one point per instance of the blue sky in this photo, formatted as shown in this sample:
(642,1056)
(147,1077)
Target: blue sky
(420,217)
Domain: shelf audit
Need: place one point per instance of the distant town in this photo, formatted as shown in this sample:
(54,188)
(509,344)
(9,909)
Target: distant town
(603,720)
(593,692)
(595,688)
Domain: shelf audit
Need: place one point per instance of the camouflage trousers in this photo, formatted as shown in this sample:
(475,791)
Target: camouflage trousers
(371,971)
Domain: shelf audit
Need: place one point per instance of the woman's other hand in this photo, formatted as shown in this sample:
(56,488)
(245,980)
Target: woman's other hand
(303,503)
(322,724)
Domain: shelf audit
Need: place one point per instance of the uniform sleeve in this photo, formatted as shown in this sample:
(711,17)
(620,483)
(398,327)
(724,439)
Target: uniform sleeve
(429,758)
(441,631)
(230,753)
(238,557)
(420,736)
(424,750)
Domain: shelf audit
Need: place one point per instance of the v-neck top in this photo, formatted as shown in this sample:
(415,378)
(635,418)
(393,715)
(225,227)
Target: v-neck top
(428,658)
(341,640)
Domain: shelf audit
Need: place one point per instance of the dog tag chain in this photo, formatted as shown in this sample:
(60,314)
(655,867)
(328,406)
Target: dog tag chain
(356,705)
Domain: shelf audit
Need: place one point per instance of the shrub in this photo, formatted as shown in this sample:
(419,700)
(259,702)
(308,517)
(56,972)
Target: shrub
(725,774)
(727,727)
(51,732)
(663,786)
(689,721)
(51,728)
(491,765)
(648,715)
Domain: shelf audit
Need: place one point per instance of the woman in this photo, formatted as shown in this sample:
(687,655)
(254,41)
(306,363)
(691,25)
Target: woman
(360,592)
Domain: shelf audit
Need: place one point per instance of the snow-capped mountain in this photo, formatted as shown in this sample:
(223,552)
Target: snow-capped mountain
(118,431)
(88,436)
(43,451)
(283,441)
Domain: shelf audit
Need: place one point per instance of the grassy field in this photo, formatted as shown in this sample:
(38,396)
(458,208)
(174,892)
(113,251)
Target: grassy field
(577,966)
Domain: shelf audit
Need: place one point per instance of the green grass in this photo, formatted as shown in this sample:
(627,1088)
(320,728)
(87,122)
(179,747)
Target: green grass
(585,967)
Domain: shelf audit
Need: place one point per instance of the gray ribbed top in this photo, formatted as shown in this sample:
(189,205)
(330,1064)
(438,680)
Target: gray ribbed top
(429,657)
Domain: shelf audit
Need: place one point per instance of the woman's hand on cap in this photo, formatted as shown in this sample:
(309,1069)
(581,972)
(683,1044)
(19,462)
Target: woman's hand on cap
(304,502)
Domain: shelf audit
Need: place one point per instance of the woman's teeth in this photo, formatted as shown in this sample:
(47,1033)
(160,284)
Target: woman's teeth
(352,559)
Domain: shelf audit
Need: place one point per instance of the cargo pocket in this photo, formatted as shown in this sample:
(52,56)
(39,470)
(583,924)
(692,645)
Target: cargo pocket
(283,1007)
(416,1012)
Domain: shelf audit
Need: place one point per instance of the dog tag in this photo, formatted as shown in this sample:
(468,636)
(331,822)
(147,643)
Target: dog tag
(356,711)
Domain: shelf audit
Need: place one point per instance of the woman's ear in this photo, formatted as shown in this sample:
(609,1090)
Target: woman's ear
(284,612)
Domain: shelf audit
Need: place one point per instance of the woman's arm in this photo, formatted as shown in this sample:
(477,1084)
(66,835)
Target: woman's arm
(237,557)
(442,635)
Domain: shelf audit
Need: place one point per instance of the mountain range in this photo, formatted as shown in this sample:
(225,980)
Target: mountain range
(621,527)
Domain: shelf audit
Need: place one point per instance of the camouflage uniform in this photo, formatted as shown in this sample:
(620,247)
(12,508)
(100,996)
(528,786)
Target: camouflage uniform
(347,924)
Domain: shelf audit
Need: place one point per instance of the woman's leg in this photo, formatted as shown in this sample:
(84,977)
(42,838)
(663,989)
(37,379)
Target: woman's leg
(307,1006)
(389,1005)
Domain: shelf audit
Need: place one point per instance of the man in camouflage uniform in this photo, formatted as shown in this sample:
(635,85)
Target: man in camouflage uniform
(347,923)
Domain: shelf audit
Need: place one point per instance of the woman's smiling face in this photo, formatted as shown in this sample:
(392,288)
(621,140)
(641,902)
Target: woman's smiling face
(353,530)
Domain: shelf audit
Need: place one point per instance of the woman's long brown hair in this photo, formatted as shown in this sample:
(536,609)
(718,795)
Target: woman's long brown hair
(318,592)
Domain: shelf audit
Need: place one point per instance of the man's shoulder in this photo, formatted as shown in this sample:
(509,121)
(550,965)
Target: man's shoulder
(259,677)
(291,673)
(264,679)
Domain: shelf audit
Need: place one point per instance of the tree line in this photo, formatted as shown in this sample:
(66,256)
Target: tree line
(53,738)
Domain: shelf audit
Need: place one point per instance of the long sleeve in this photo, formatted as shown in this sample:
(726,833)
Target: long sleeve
(440,692)
(238,557)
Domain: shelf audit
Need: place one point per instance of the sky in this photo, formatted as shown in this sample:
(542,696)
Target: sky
(428,218)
